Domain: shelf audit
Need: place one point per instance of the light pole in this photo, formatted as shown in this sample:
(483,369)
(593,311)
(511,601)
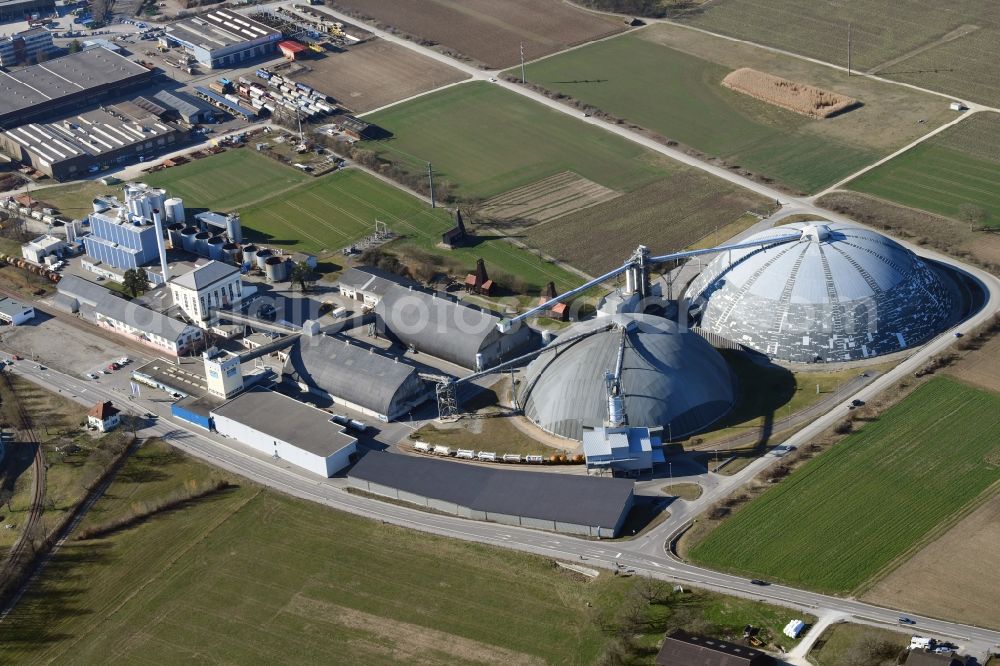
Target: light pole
(670,468)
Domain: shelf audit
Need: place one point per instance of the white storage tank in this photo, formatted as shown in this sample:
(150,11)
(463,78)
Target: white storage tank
(174,210)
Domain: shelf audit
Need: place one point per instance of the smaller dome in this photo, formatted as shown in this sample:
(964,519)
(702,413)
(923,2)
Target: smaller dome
(670,378)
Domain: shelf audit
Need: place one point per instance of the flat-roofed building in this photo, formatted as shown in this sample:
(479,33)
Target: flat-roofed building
(83,144)
(223,38)
(21,10)
(37,249)
(26,46)
(15,313)
(569,503)
(279,426)
(71,81)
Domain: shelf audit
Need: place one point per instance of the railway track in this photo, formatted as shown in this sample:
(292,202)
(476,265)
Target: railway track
(16,554)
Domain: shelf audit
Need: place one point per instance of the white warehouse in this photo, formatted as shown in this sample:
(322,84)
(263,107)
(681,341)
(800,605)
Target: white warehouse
(279,426)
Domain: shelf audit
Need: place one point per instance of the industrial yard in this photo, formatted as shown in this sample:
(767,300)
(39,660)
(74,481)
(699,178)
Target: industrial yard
(529,291)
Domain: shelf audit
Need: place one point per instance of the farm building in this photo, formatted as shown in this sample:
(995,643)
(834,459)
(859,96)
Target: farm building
(670,378)
(355,128)
(368,284)
(279,426)
(838,294)
(357,378)
(683,648)
(81,144)
(566,503)
(69,82)
(438,325)
(14,313)
(223,38)
(292,50)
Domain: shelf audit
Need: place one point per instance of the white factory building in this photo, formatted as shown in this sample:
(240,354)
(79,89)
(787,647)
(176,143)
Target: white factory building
(38,249)
(211,285)
(14,313)
(286,429)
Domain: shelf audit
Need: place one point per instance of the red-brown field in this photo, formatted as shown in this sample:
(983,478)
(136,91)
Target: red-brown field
(489,31)
(373,74)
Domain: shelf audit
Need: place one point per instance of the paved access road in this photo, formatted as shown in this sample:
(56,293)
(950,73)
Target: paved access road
(645,555)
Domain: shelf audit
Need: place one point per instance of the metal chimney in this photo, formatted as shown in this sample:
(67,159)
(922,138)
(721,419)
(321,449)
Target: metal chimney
(161,245)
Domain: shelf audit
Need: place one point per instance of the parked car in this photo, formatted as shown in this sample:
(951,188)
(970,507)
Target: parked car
(858,403)
(905,620)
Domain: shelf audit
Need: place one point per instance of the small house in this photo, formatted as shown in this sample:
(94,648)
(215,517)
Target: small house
(104,416)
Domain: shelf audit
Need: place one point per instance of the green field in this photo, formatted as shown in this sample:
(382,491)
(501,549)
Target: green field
(245,575)
(681,97)
(485,141)
(883,30)
(958,166)
(227,181)
(903,475)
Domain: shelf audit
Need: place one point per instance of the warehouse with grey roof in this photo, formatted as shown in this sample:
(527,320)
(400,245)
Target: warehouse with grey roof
(360,379)
(72,81)
(436,324)
(223,38)
(586,505)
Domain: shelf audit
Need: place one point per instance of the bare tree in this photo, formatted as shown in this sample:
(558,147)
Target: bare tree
(651,589)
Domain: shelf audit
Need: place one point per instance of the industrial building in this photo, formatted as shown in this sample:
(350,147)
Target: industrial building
(369,284)
(681,648)
(26,46)
(436,324)
(188,110)
(590,506)
(223,38)
(14,313)
(37,249)
(287,429)
(21,10)
(630,450)
(108,310)
(837,294)
(121,235)
(86,143)
(664,377)
(211,285)
(69,82)
(360,379)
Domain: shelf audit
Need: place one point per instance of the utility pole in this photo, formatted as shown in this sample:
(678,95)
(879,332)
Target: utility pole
(430,182)
(522,63)
(849,26)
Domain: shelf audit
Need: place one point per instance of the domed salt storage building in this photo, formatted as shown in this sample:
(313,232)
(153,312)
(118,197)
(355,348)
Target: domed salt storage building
(668,378)
(838,293)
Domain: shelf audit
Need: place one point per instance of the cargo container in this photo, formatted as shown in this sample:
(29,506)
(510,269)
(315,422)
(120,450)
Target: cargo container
(467,454)
(422,446)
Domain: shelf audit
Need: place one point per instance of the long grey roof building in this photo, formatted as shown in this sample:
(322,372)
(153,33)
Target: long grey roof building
(364,380)
(594,506)
(839,293)
(670,378)
(438,325)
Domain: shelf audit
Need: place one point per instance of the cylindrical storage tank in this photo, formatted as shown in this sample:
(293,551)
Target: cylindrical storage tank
(275,269)
(231,253)
(234,229)
(155,199)
(174,208)
(215,248)
(187,238)
(98,205)
(174,234)
(250,253)
(262,255)
(201,243)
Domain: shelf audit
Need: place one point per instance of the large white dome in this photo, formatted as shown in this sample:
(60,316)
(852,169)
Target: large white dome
(838,293)
(670,378)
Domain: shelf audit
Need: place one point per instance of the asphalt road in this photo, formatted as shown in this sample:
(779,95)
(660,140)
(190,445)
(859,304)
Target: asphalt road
(645,555)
